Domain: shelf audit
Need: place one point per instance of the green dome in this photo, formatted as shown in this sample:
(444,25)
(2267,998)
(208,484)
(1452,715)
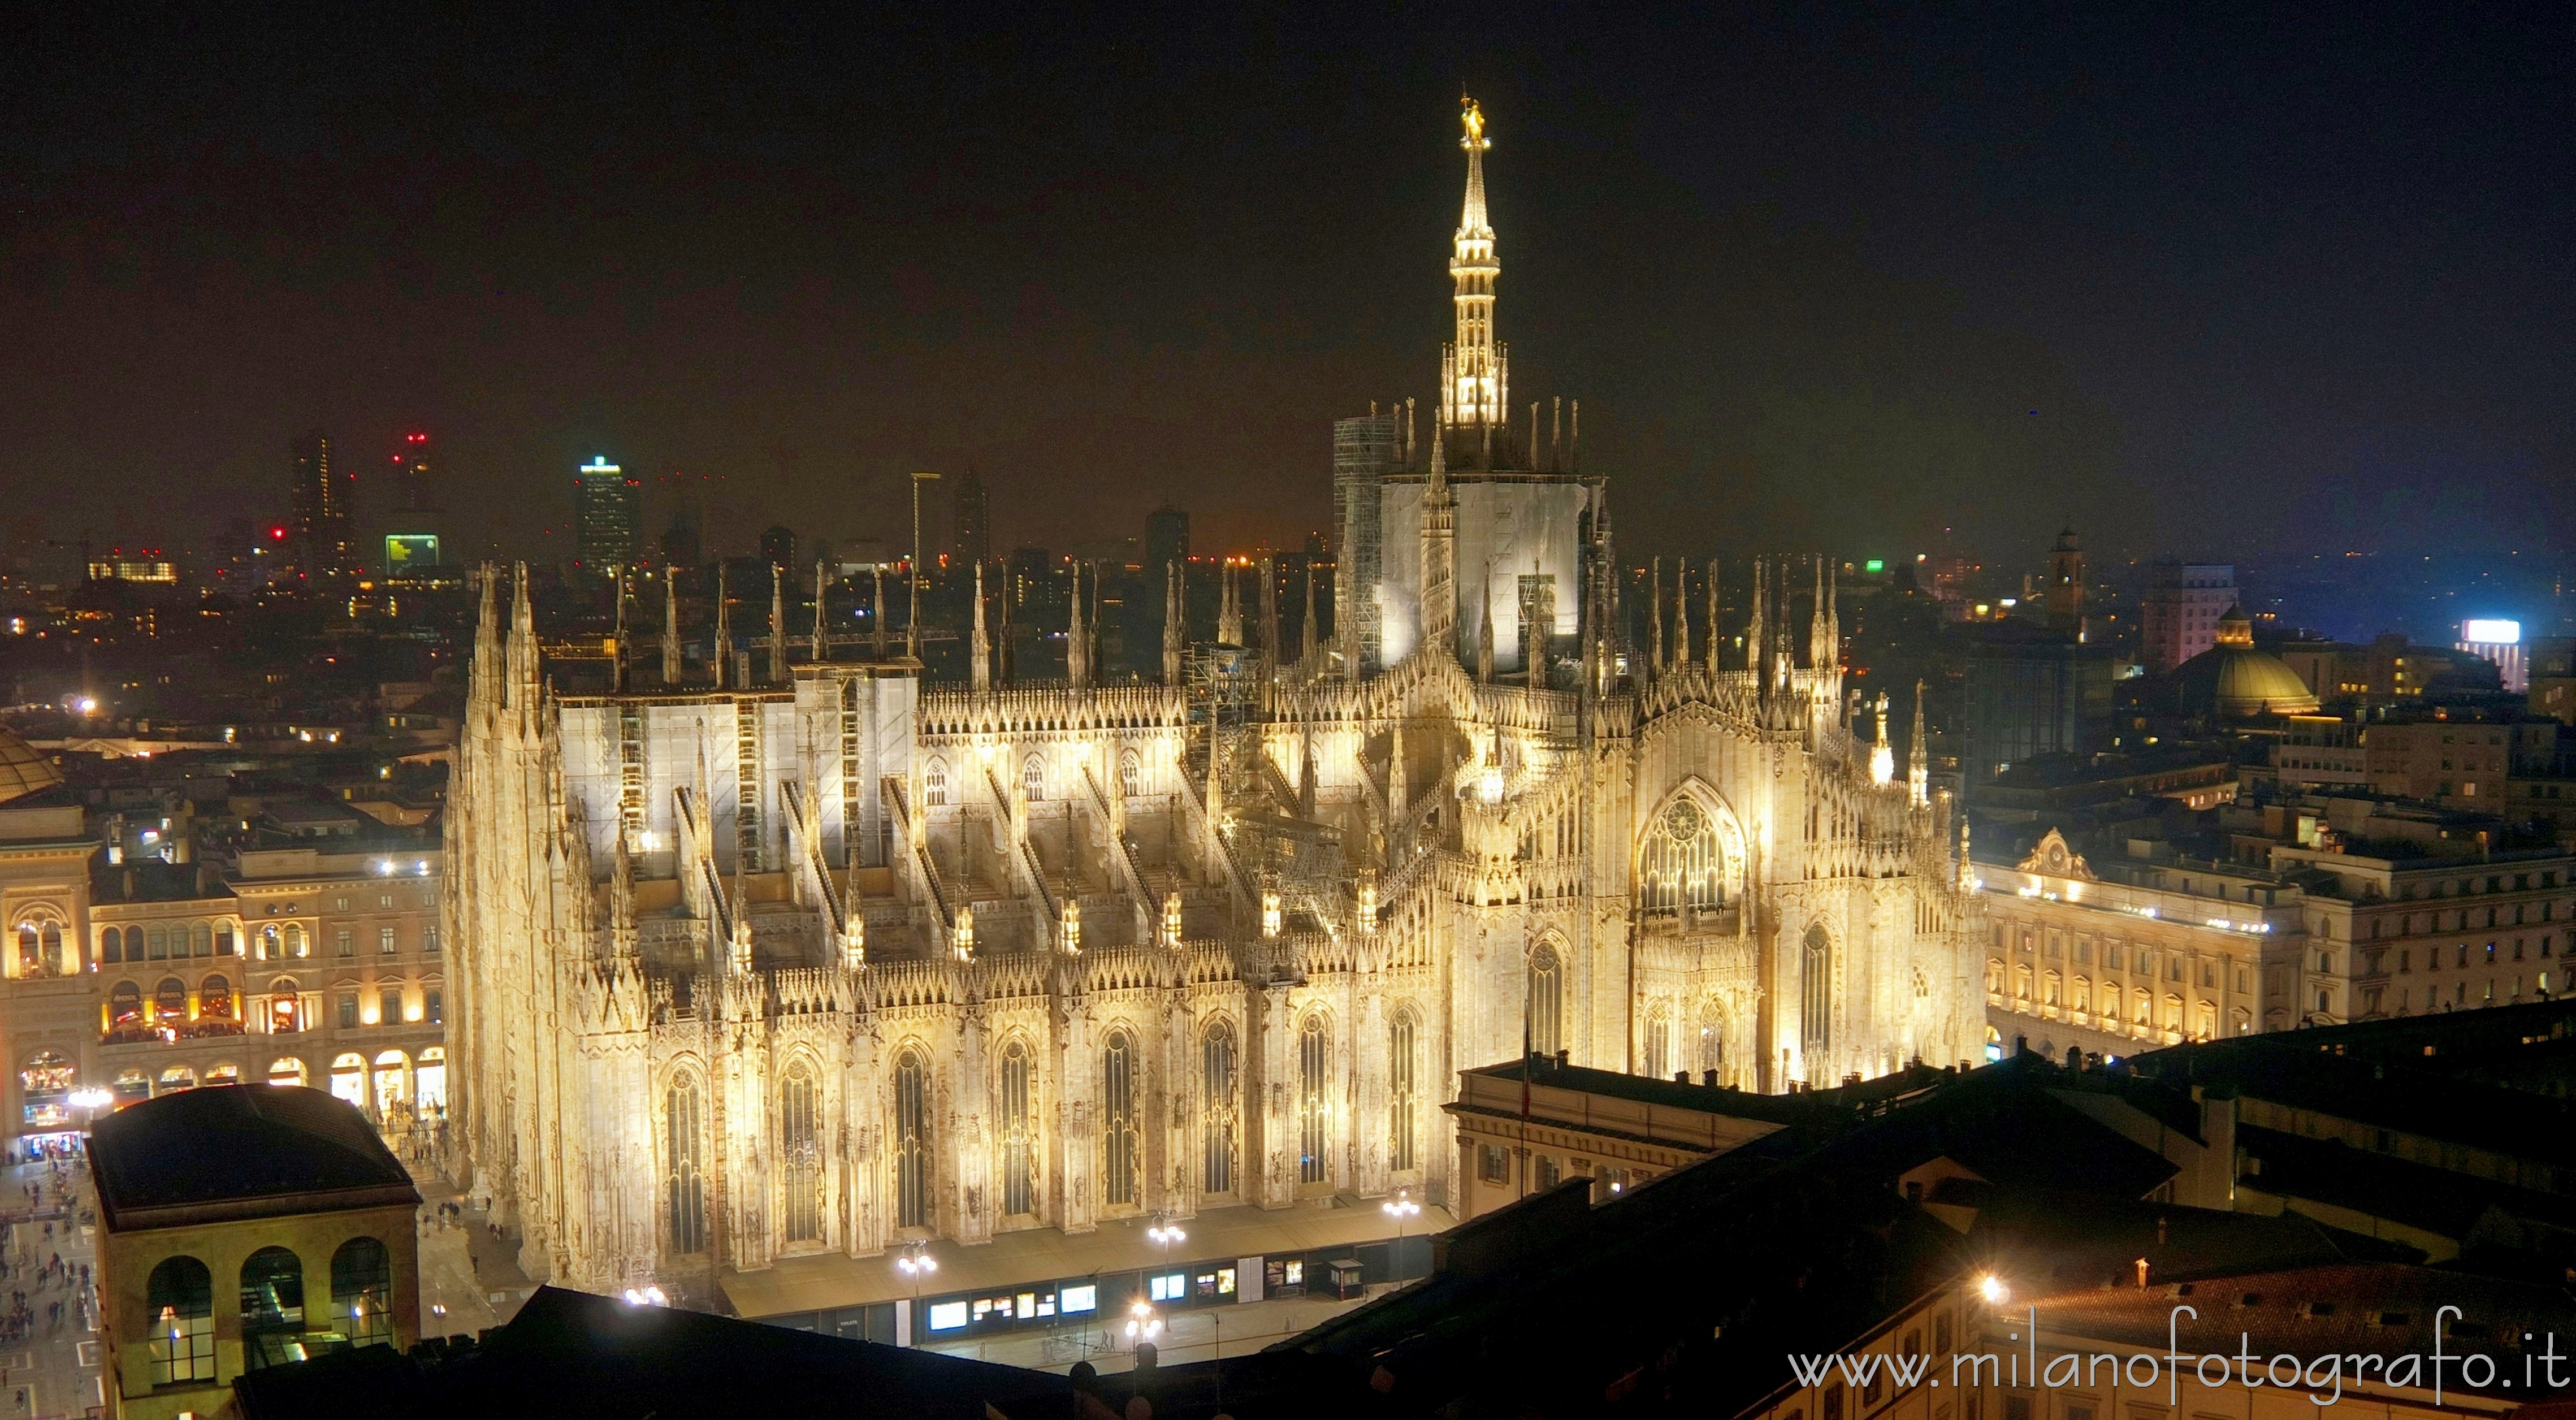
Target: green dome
(22,770)
(2234,681)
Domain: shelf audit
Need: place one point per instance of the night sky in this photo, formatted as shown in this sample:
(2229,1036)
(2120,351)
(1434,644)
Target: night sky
(2238,283)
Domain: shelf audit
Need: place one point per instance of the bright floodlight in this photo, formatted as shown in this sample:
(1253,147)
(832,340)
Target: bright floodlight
(1992,1288)
(2491,632)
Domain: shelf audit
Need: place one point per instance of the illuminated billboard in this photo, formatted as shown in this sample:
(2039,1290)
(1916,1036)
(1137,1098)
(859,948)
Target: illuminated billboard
(410,552)
(2491,633)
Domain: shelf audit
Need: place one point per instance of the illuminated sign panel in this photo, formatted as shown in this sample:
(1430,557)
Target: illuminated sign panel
(406,552)
(2491,633)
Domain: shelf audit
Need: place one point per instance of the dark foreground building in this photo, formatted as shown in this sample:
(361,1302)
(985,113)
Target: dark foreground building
(570,1354)
(2379,1191)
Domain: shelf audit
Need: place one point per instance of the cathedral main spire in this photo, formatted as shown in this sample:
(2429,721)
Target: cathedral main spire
(1475,385)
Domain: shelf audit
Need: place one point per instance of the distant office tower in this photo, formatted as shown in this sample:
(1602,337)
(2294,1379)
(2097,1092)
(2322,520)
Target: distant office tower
(320,500)
(608,516)
(973,520)
(413,523)
(1167,540)
(1365,450)
(2028,692)
(778,549)
(2179,611)
(413,490)
(680,539)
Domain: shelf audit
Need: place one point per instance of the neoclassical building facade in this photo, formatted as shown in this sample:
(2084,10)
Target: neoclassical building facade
(841,960)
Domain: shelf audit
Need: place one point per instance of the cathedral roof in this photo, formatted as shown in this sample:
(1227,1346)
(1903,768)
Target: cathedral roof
(23,771)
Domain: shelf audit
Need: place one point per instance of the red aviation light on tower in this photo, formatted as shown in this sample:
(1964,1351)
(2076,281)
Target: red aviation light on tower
(279,534)
(415,438)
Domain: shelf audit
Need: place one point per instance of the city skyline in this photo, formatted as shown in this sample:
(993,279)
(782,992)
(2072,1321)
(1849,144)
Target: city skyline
(1872,308)
(688,699)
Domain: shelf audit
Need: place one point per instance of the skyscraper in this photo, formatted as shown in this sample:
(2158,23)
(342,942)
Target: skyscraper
(413,490)
(1167,538)
(973,520)
(778,548)
(608,516)
(413,523)
(320,503)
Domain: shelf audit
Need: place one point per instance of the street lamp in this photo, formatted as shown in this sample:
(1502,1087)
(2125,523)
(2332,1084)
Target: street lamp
(915,1265)
(1142,1324)
(1164,1235)
(1403,1210)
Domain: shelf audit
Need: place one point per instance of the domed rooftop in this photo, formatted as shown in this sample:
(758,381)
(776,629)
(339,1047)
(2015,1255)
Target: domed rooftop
(2234,681)
(22,770)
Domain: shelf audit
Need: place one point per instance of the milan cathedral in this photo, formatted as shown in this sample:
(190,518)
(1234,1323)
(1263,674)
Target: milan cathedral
(841,960)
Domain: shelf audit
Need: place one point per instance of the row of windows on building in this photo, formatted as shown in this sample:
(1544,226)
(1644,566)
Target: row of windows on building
(385,1004)
(2464,954)
(175,1011)
(43,949)
(2463,887)
(180,1295)
(1494,1165)
(2055,993)
(391,1082)
(273,941)
(2175,960)
(2523,914)
(1121,1138)
(1034,780)
(2453,995)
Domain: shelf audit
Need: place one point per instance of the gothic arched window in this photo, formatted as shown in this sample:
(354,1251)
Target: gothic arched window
(911,1142)
(934,784)
(799,1138)
(1816,990)
(1401,1100)
(685,1180)
(1131,773)
(1712,1041)
(1033,777)
(1546,1004)
(1682,863)
(1217,1109)
(1314,1109)
(1659,1043)
(1120,1138)
(1019,1182)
